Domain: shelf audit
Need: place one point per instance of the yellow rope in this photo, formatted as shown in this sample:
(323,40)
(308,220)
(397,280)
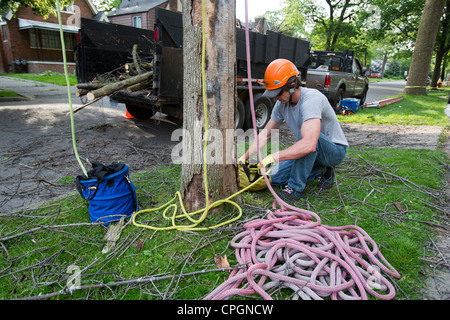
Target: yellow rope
(415,87)
(205,102)
(204,212)
(178,197)
(171,205)
(66,73)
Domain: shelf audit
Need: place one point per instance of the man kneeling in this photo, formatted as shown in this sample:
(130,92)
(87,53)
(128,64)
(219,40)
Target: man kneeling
(321,143)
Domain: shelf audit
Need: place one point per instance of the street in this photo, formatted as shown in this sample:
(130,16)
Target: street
(381,90)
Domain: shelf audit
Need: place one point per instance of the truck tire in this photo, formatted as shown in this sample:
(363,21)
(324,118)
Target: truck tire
(239,115)
(337,102)
(263,111)
(139,112)
(363,97)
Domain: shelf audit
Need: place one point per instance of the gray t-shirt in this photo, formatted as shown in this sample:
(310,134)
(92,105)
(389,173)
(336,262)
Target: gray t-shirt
(311,105)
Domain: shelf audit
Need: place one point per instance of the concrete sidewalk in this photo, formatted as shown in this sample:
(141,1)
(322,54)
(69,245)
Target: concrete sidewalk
(34,90)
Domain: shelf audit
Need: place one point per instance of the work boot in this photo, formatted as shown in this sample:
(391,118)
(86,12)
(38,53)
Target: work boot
(326,181)
(287,193)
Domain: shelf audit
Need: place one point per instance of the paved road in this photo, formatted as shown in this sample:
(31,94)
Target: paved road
(380,90)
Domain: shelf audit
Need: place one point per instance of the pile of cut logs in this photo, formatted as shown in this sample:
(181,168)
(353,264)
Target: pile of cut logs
(138,76)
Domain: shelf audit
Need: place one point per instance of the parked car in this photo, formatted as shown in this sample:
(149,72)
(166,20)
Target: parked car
(375,75)
(337,75)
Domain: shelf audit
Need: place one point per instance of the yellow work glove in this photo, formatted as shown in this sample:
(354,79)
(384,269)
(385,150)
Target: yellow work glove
(267,161)
(242,160)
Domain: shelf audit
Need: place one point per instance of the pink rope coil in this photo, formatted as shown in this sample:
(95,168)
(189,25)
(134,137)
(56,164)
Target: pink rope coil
(290,250)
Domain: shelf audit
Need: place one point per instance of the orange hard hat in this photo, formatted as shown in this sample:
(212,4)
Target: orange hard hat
(277,74)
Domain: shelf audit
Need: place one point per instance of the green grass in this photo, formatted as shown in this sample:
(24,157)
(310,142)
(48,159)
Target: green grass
(6,93)
(412,111)
(47,77)
(395,195)
(36,263)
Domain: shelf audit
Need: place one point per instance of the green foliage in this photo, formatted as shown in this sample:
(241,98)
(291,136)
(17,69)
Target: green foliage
(374,29)
(107,5)
(41,7)
(5,93)
(399,18)
(328,22)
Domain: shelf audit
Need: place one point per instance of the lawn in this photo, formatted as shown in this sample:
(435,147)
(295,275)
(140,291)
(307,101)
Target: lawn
(8,94)
(426,110)
(46,77)
(395,195)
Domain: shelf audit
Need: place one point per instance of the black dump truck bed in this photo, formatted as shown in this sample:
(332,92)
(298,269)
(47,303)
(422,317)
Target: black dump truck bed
(103,47)
(166,95)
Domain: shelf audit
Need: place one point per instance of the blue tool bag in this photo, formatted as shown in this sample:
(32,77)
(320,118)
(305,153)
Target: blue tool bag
(109,191)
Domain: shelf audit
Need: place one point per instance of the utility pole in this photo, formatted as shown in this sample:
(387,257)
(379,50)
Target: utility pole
(220,77)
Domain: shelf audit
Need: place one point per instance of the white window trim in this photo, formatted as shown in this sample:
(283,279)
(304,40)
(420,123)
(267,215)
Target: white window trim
(134,18)
(68,9)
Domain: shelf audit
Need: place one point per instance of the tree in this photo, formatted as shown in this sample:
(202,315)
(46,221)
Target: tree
(423,51)
(107,5)
(332,20)
(41,7)
(46,7)
(442,45)
(278,23)
(220,75)
(398,18)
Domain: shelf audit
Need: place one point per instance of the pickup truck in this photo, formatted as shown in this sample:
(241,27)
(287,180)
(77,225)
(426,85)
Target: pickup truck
(337,75)
(166,44)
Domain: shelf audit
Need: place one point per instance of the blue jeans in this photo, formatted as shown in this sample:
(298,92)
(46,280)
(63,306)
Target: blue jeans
(296,173)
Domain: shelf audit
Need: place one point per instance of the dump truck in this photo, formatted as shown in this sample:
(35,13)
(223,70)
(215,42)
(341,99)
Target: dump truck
(337,75)
(102,47)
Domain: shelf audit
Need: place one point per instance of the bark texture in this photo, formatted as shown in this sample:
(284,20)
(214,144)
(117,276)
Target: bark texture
(423,51)
(221,97)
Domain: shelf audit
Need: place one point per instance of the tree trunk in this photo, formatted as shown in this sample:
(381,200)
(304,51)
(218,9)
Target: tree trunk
(423,51)
(221,92)
(442,46)
(437,69)
(383,66)
(444,66)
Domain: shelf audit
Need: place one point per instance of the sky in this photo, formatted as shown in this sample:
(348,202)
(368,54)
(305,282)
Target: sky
(255,8)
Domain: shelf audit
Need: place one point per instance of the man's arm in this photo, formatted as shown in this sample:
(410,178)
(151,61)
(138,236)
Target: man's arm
(310,132)
(263,137)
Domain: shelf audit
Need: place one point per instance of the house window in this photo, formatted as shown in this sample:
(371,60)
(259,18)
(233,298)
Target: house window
(47,39)
(137,21)
(4,33)
(68,8)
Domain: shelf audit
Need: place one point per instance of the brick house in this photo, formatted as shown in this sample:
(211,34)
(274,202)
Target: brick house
(28,43)
(141,13)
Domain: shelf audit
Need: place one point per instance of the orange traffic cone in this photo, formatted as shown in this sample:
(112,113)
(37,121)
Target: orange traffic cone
(127,116)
